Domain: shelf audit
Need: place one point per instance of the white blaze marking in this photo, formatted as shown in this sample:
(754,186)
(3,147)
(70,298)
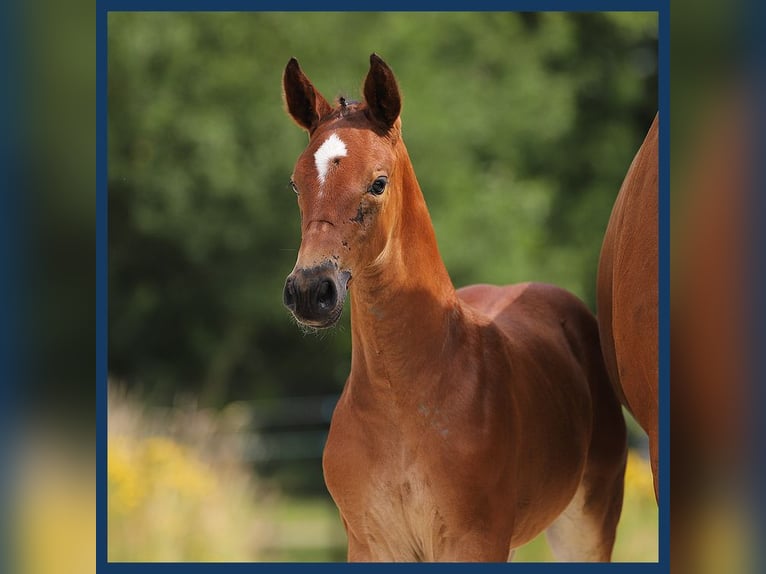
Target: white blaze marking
(332,148)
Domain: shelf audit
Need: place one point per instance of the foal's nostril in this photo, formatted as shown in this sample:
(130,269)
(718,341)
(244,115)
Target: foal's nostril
(315,295)
(288,296)
(327,295)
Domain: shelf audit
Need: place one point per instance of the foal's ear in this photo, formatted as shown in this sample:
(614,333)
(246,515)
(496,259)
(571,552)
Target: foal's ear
(305,104)
(381,92)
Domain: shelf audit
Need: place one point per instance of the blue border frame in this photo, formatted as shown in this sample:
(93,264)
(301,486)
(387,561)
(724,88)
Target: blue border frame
(102,262)
(390,6)
(102,10)
(664,282)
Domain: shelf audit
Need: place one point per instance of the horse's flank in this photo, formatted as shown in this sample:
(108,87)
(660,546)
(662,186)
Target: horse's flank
(628,294)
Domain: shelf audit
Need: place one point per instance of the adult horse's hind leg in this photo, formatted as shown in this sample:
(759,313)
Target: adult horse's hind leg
(585,531)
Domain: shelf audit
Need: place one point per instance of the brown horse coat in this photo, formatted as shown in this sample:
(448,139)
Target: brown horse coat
(628,293)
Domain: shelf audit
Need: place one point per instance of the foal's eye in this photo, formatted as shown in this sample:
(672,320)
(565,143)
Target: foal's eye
(295,188)
(379,185)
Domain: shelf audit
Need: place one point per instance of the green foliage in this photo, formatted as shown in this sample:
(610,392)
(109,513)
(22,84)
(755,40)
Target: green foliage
(520,127)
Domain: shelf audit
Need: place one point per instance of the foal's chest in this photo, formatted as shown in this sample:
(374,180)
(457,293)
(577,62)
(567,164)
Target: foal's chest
(386,493)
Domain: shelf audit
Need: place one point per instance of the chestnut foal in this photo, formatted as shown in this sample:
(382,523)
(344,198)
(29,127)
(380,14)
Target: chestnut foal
(472,420)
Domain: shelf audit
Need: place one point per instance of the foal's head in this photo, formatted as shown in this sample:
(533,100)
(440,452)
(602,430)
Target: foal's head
(346,181)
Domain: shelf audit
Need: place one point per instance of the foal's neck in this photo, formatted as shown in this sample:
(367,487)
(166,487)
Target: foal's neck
(404,309)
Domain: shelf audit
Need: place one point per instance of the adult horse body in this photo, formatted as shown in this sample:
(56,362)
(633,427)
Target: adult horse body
(627,295)
(472,419)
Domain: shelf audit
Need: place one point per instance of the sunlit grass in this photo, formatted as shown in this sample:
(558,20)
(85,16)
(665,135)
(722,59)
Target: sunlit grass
(173,500)
(638,531)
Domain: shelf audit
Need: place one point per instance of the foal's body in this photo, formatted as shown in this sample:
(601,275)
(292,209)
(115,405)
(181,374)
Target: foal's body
(471,419)
(459,461)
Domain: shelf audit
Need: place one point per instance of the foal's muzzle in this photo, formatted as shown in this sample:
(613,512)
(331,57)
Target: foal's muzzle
(316,295)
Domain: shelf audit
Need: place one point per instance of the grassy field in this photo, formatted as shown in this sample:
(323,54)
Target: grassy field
(178,490)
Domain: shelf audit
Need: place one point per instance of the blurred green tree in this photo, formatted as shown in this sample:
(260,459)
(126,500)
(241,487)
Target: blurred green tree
(520,126)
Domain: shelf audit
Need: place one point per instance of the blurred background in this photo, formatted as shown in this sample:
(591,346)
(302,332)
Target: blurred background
(520,126)
(48,279)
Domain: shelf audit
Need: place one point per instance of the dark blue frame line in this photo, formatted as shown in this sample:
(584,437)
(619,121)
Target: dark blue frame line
(102,10)
(102,309)
(334,567)
(390,6)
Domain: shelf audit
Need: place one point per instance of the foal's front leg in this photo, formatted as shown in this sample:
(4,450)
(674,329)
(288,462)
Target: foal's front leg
(470,546)
(358,552)
(476,546)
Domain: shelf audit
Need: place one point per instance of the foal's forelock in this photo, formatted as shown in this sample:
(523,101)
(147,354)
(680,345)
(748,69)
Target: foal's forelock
(345,107)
